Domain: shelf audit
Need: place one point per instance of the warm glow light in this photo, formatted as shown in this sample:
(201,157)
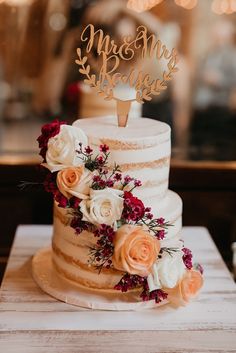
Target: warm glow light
(187,4)
(57,21)
(142,5)
(223,6)
(18,2)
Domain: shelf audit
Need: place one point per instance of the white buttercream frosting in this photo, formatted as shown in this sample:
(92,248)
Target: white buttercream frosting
(140,132)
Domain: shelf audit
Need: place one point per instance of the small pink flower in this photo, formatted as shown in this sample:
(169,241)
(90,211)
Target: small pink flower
(118,176)
(187,258)
(148,209)
(88,150)
(137,183)
(127,179)
(61,199)
(149,216)
(102,184)
(100,160)
(96,178)
(161,221)
(109,183)
(74,202)
(160,234)
(104,148)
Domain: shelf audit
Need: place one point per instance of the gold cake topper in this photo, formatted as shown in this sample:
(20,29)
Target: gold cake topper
(111,56)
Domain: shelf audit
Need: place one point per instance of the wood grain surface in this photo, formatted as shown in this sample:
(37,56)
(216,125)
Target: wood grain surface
(31,321)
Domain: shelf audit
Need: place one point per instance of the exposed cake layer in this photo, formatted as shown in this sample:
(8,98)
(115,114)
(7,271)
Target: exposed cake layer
(142,150)
(71,255)
(71,251)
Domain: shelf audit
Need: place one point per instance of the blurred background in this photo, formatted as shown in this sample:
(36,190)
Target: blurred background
(39,81)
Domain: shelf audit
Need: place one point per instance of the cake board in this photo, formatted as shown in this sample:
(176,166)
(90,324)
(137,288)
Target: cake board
(65,290)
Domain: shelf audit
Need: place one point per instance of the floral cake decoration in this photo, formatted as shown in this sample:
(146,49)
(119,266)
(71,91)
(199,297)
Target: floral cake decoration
(99,199)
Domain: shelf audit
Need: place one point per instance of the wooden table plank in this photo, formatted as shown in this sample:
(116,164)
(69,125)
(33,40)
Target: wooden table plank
(31,321)
(120,342)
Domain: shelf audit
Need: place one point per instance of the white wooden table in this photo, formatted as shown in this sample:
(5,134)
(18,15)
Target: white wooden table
(31,321)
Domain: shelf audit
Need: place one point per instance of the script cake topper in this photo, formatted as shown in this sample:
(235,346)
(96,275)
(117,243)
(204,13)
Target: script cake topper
(112,56)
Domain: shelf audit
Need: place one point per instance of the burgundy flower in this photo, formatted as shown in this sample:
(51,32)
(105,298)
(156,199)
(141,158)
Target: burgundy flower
(137,183)
(128,282)
(100,160)
(79,225)
(187,258)
(199,268)
(96,178)
(102,184)
(161,221)
(104,148)
(106,230)
(72,93)
(88,150)
(160,234)
(158,295)
(118,176)
(134,209)
(102,253)
(61,199)
(50,184)
(109,183)
(127,179)
(148,209)
(48,131)
(149,216)
(74,202)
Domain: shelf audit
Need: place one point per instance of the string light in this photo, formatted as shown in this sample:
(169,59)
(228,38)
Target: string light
(17,2)
(142,5)
(187,4)
(223,6)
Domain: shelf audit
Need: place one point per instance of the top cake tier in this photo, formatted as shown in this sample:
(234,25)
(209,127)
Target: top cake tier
(142,150)
(140,133)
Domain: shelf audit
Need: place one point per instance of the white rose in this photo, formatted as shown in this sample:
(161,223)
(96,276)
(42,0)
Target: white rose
(61,152)
(104,206)
(167,271)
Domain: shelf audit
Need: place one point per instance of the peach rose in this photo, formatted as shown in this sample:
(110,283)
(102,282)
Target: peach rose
(186,289)
(135,250)
(74,181)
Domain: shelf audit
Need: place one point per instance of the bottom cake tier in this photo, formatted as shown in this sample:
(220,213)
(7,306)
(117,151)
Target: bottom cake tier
(70,252)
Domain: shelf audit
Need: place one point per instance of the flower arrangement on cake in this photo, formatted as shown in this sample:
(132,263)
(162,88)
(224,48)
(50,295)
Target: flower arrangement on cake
(100,199)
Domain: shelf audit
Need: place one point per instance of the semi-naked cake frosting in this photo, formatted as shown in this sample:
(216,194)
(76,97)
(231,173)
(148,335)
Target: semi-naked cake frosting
(142,150)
